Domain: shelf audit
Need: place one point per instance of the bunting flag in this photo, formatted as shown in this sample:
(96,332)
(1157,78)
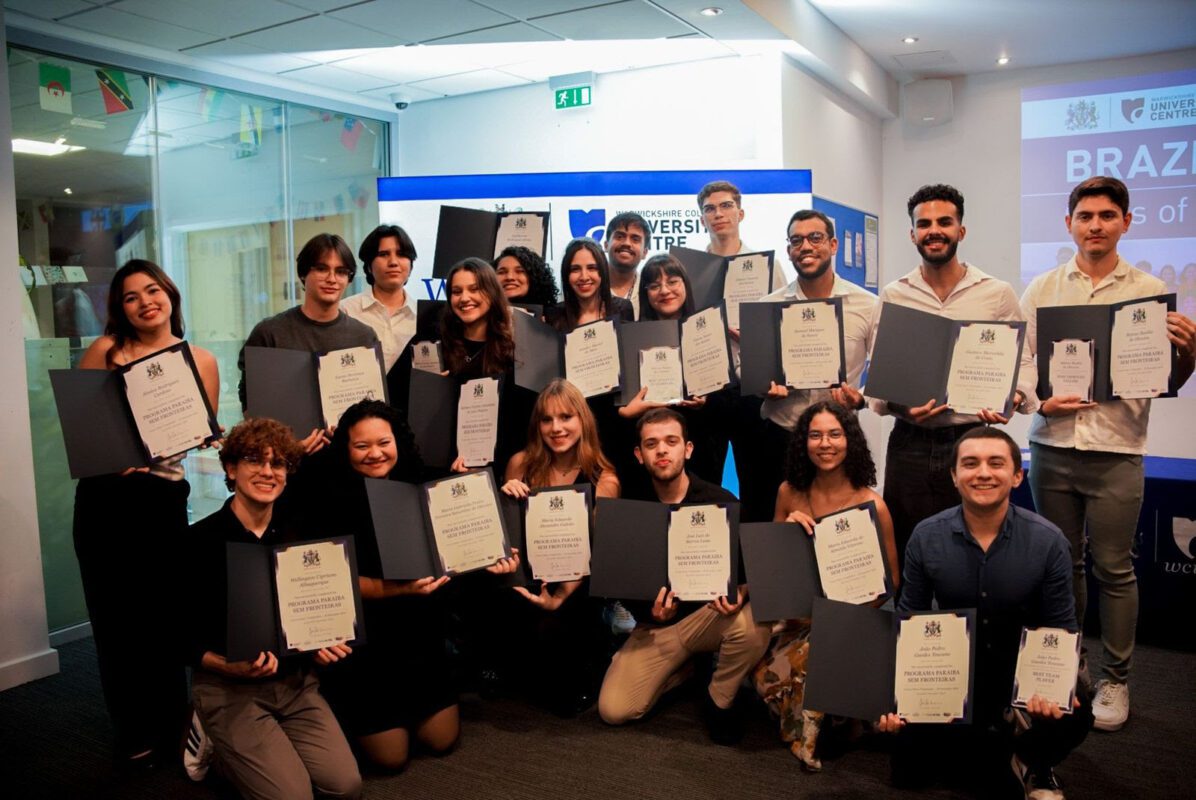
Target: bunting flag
(114,88)
(251,131)
(54,90)
(351,132)
(209,103)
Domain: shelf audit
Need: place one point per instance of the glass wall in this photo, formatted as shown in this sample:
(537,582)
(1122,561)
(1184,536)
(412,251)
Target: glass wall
(220,188)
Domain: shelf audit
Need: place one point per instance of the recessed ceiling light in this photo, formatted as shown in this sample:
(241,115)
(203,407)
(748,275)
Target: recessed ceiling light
(711,11)
(910,39)
(1002,61)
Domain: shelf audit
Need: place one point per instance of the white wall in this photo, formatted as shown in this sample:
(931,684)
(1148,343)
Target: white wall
(979,152)
(716,114)
(25,652)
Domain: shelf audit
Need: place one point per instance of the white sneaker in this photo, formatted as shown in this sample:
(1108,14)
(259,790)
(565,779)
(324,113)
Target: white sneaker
(197,752)
(619,618)
(1111,706)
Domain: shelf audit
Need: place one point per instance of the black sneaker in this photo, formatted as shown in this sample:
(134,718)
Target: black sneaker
(725,725)
(1039,784)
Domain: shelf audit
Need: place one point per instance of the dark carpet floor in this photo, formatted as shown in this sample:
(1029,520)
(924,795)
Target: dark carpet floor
(54,737)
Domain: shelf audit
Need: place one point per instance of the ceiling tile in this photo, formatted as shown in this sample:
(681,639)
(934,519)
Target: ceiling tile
(736,22)
(132,28)
(512,32)
(478,81)
(323,5)
(408,64)
(240,54)
(318,33)
(217,17)
(332,77)
(47,9)
(526,9)
(419,20)
(630,19)
(413,94)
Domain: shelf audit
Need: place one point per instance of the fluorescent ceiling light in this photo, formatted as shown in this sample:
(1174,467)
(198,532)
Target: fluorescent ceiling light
(1002,61)
(910,39)
(33,147)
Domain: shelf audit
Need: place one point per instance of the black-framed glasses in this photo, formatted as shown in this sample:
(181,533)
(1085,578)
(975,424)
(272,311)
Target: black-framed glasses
(816,238)
(323,270)
(724,206)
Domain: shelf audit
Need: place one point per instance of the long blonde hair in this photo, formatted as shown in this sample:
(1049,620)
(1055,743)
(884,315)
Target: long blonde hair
(589,450)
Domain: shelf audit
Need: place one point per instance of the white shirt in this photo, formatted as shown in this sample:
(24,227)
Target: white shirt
(1116,426)
(394,330)
(978,296)
(859,309)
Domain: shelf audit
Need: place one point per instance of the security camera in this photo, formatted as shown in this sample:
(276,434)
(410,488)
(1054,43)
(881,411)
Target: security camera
(401,100)
(401,105)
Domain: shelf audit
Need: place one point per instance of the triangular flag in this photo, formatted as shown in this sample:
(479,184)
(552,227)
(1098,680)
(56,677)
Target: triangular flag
(209,103)
(351,132)
(115,90)
(251,126)
(54,91)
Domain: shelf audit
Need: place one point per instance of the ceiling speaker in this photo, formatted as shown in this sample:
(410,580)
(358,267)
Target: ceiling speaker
(926,103)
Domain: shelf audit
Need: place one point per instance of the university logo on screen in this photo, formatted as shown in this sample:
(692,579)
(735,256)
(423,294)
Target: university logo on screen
(1183,533)
(667,227)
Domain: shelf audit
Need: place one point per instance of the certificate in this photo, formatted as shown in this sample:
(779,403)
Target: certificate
(426,356)
(168,403)
(933,667)
(592,358)
(699,552)
(1139,351)
(1048,661)
(984,366)
(704,353)
(347,377)
(520,230)
(557,535)
(851,564)
(315,584)
(466,523)
(661,372)
(748,278)
(477,421)
(811,345)
(1072,368)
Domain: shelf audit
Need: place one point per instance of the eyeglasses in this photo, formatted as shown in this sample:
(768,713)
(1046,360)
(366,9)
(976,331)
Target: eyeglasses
(323,270)
(673,284)
(817,436)
(816,238)
(726,205)
(257,463)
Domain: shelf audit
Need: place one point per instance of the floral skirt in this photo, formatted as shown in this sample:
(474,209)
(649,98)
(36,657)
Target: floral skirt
(780,680)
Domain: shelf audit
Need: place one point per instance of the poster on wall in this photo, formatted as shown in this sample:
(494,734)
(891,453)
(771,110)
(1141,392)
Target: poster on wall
(582,203)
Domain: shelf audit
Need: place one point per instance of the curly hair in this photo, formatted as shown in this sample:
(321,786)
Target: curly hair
(499,353)
(657,268)
(118,326)
(935,191)
(541,286)
(253,437)
(410,466)
(561,393)
(572,302)
(858,464)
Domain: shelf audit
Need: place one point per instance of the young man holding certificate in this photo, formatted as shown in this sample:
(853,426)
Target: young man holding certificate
(917,476)
(387,255)
(627,239)
(274,734)
(670,632)
(812,246)
(326,268)
(1013,567)
(1087,456)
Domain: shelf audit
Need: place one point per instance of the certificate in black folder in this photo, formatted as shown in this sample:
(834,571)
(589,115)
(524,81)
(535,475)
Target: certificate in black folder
(99,434)
(866,662)
(587,356)
(553,529)
(762,357)
(303,406)
(714,278)
(292,598)
(967,364)
(630,559)
(470,232)
(432,414)
(711,366)
(1059,326)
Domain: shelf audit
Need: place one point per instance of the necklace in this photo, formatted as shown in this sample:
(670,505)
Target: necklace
(835,503)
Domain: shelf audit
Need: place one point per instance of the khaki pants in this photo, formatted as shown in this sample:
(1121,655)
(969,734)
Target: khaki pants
(275,738)
(639,673)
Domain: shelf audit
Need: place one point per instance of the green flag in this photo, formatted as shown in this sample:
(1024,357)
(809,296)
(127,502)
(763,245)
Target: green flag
(55,87)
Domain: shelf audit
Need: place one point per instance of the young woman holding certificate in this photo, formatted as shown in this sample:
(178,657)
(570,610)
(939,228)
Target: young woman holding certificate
(829,468)
(560,625)
(524,277)
(585,284)
(128,578)
(397,685)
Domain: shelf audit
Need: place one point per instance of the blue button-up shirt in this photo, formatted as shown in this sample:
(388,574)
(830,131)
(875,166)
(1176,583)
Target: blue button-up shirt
(1023,579)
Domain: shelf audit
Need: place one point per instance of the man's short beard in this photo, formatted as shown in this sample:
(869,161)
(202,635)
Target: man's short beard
(818,272)
(938,261)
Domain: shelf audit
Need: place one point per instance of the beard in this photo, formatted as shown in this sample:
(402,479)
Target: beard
(817,272)
(938,260)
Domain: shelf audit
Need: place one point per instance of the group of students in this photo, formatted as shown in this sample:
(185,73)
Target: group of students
(949,530)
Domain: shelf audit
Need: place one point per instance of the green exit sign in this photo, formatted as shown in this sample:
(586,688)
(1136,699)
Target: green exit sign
(573,97)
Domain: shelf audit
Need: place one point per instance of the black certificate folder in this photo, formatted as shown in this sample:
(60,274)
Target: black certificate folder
(760,342)
(781,569)
(470,232)
(99,434)
(281,384)
(1096,324)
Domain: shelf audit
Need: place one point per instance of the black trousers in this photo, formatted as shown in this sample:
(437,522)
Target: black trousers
(736,422)
(129,533)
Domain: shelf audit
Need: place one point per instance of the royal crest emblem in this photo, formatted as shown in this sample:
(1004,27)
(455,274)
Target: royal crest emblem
(311,558)
(842,526)
(747,266)
(520,222)
(347,360)
(697,518)
(1082,115)
(478,390)
(661,355)
(424,350)
(458,490)
(933,629)
(1071,349)
(556,503)
(988,336)
(1050,641)
(153,370)
(1139,315)
(589,333)
(700,324)
(807,315)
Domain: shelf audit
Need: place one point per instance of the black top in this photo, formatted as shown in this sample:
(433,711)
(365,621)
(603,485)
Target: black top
(207,576)
(619,309)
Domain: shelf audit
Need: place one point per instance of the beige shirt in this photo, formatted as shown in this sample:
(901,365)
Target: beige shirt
(859,309)
(1115,426)
(977,296)
(393,330)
